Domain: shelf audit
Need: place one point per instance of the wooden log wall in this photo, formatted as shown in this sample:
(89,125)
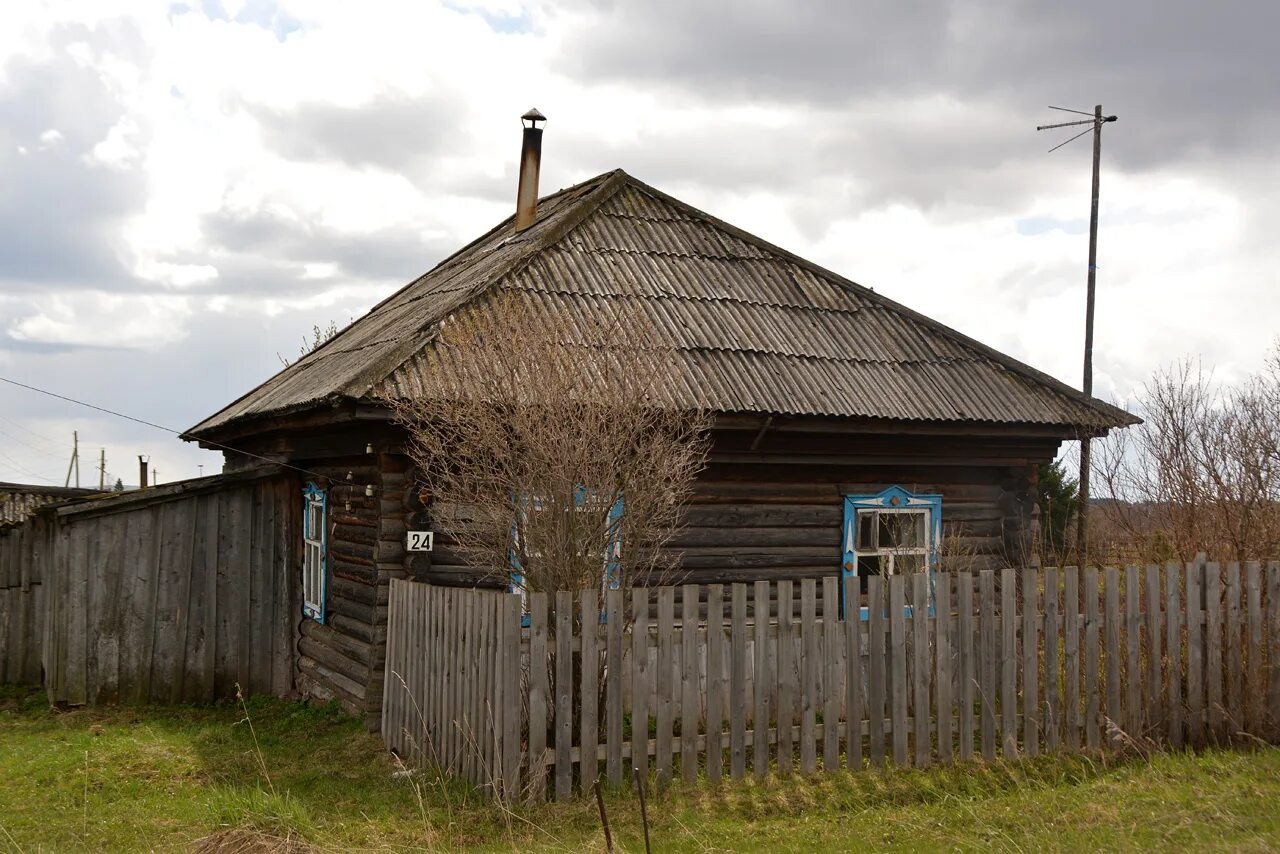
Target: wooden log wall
(1002,664)
(342,659)
(175,594)
(775,511)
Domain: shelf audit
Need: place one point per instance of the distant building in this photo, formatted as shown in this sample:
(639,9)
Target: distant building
(20,500)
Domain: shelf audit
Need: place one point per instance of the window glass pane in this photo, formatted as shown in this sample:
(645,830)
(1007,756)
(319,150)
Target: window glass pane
(902,530)
(867,565)
(866,529)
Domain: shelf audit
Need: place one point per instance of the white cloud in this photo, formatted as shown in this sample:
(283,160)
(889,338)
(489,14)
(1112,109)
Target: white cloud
(327,132)
(87,319)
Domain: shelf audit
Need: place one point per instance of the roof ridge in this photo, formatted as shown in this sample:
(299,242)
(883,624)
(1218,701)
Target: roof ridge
(1008,362)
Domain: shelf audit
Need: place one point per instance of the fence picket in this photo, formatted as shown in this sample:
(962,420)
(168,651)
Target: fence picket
(1052,708)
(764,685)
(1254,690)
(589,711)
(512,721)
(1173,649)
(1213,651)
(564,694)
(1273,645)
(738,685)
(1009,661)
(943,661)
(1111,594)
(920,669)
(876,675)
(987,686)
(968,663)
(809,679)
(1030,663)
(1195,654)
(786,677)
(613,687)
(538,694)
(852,676)
(1093,710)
(639,681)
(1235,659)
(1155,694)
(690,704)
(1071,656)
(1132,642)
(715,682)
(831,685)
(665,701)
(898,667)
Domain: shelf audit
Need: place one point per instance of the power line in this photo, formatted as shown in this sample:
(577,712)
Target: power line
(30,446)
(177,433)
(20,467)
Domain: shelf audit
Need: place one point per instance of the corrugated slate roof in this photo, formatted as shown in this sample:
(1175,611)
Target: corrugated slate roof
(755,328)
(20,500)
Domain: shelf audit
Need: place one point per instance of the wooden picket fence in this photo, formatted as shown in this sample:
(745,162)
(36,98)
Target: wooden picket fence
(749,679)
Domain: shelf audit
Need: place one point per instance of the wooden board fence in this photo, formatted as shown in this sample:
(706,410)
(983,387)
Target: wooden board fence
(712,681)
(176,593)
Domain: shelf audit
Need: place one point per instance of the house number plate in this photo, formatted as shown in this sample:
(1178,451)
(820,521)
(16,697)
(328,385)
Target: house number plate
(420,541)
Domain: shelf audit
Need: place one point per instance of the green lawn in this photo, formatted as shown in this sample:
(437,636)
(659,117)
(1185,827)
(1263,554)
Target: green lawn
(178,777)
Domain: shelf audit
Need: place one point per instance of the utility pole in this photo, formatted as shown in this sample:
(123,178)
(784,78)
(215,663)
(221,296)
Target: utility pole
(1095,124)
(102,469)
(74,464)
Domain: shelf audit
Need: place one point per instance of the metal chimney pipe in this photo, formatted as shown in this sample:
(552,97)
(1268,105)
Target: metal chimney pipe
(530,164)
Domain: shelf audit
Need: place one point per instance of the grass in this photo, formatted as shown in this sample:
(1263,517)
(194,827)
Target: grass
(175,778)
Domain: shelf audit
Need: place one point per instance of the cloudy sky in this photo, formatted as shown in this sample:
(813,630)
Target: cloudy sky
(189,187)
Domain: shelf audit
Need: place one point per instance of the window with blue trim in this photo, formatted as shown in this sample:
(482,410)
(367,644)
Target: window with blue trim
(893,532)
(583,500)
(314,552)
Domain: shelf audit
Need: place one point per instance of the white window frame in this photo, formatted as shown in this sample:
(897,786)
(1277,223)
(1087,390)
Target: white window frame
(611,568)
(888,554)
(315,581)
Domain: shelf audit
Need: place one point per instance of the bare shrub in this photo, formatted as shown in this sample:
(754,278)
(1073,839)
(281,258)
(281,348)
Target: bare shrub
(533,430)
(1201,474)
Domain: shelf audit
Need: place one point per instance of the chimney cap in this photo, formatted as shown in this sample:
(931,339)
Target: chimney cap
(533,117)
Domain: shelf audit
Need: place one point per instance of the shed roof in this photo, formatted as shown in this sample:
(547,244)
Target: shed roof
(20,500)
(755,328)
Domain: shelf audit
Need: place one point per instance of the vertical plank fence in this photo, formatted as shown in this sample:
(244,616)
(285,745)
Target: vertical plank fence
(689,680)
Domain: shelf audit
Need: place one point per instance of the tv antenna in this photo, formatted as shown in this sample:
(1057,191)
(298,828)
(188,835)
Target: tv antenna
(1094,123)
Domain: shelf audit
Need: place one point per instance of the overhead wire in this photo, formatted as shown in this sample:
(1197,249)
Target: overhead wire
(161,427)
